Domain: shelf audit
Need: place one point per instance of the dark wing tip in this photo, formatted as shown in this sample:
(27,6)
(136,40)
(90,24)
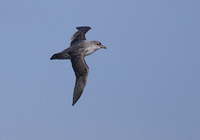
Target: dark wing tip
(74,102)
(83,27)
(75,98)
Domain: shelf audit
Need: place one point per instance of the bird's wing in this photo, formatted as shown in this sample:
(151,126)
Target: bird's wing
(81,71)
(80,34)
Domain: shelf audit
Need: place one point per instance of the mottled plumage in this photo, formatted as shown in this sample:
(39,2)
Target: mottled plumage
(79,48)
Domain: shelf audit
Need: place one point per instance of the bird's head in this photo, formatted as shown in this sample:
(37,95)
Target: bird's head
(98,45)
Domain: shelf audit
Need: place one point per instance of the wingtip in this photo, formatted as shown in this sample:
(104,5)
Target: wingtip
(81,27)
(73,103)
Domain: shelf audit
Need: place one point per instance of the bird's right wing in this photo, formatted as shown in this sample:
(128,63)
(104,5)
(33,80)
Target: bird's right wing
(80,34)
(81,71)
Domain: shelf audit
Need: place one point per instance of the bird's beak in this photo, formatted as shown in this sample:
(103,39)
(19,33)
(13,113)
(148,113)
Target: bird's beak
(103,47)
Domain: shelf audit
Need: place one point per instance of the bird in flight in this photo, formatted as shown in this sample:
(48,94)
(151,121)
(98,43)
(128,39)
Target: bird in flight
(78,49)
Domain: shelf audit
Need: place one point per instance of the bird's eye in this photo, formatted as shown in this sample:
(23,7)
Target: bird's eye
(98,43)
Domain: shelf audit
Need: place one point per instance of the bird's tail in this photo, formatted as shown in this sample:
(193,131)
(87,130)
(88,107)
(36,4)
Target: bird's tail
(60,55)
(56,56)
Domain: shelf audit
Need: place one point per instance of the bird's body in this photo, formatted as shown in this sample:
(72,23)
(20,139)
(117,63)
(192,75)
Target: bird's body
(79,48)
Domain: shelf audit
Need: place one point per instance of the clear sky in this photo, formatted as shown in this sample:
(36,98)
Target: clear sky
(145,86)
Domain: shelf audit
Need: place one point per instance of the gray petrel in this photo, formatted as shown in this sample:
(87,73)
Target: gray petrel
(79,48)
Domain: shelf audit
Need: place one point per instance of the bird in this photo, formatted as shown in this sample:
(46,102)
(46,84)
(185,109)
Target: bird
(78,49)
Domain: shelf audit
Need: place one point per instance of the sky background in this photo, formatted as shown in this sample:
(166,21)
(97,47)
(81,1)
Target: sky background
(145,86)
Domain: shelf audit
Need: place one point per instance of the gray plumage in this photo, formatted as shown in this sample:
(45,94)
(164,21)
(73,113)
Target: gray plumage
(79,48)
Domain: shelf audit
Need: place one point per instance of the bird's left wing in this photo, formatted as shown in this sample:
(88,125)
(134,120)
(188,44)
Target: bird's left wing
(81,71)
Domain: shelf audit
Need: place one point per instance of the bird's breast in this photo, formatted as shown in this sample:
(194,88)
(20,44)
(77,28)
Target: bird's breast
(90,51)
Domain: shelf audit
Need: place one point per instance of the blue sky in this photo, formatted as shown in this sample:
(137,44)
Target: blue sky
(145,86)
